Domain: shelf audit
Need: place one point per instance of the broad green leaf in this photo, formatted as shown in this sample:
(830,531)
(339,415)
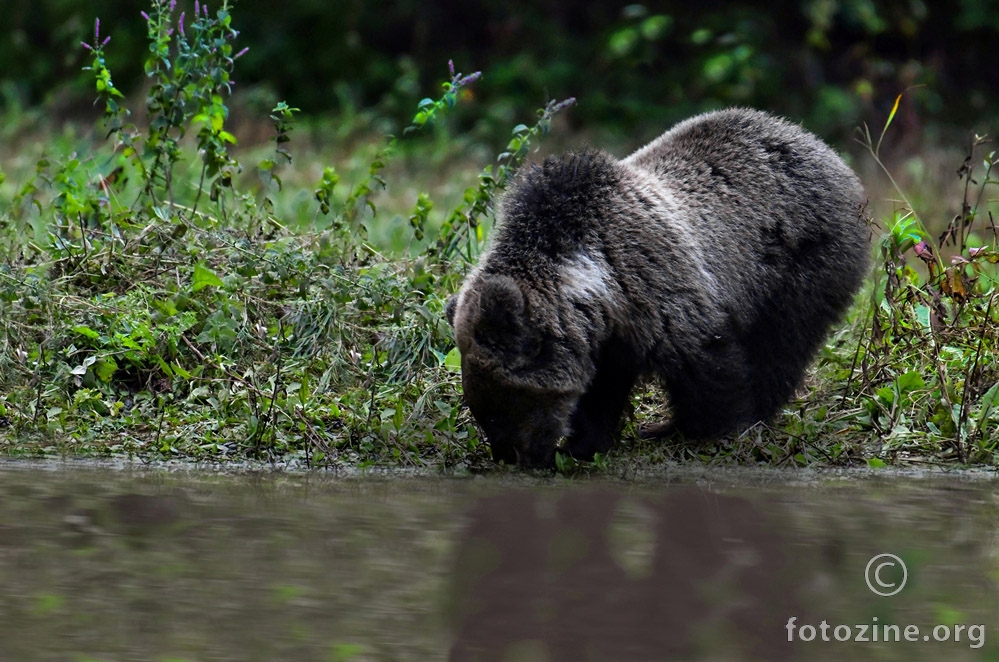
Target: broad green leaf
(910,381)
(104,369)
(86,331)
(886,394)
(453,360)
(204,277)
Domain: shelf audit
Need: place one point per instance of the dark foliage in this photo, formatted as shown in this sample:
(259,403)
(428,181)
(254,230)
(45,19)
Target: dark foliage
(631,65)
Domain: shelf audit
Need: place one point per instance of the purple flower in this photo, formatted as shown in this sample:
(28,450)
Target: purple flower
(97,38)
(571,101)
(469,79)
(180,25)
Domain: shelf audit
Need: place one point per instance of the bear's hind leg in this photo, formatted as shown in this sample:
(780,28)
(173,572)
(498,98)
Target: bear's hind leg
(715,398)
(598,412)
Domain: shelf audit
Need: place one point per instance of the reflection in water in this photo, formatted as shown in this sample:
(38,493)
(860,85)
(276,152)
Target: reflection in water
(718,574)
(102,565)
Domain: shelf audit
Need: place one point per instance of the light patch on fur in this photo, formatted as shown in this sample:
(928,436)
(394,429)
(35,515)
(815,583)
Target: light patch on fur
(649,186)
(583,278)
(466,287)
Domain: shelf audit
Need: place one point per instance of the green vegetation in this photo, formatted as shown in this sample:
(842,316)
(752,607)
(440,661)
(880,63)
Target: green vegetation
(929,358)
(151,307)
(160,297)
(643,66)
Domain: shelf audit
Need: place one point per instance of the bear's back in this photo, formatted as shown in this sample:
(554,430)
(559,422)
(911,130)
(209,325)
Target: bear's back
(744,143)
(762,199)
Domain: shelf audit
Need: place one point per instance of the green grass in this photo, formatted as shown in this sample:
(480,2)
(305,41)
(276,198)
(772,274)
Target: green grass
(169,293)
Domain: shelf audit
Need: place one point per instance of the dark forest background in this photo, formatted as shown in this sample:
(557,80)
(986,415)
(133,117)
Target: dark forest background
(633,67)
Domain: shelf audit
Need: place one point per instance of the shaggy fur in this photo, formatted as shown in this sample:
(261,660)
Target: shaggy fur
(715,257)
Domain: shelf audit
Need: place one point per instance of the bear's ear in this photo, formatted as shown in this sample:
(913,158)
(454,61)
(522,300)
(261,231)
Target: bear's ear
(449,308)
(500,322)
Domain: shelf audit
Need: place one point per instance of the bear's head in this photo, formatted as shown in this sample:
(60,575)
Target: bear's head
(517,379)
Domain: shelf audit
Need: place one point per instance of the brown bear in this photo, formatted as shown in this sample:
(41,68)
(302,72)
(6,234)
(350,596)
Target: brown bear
(715,258)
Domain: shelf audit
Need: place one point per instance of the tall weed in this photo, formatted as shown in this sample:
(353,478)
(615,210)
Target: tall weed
(928,372)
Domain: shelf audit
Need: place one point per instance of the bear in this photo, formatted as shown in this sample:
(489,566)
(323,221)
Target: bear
(715,259)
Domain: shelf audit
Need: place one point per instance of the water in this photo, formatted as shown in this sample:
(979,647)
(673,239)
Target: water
(113,563)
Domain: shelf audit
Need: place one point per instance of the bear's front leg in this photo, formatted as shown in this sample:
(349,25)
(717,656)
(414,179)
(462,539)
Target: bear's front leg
(597,416)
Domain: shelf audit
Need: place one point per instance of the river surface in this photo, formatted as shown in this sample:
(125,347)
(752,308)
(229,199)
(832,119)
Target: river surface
(108,563)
